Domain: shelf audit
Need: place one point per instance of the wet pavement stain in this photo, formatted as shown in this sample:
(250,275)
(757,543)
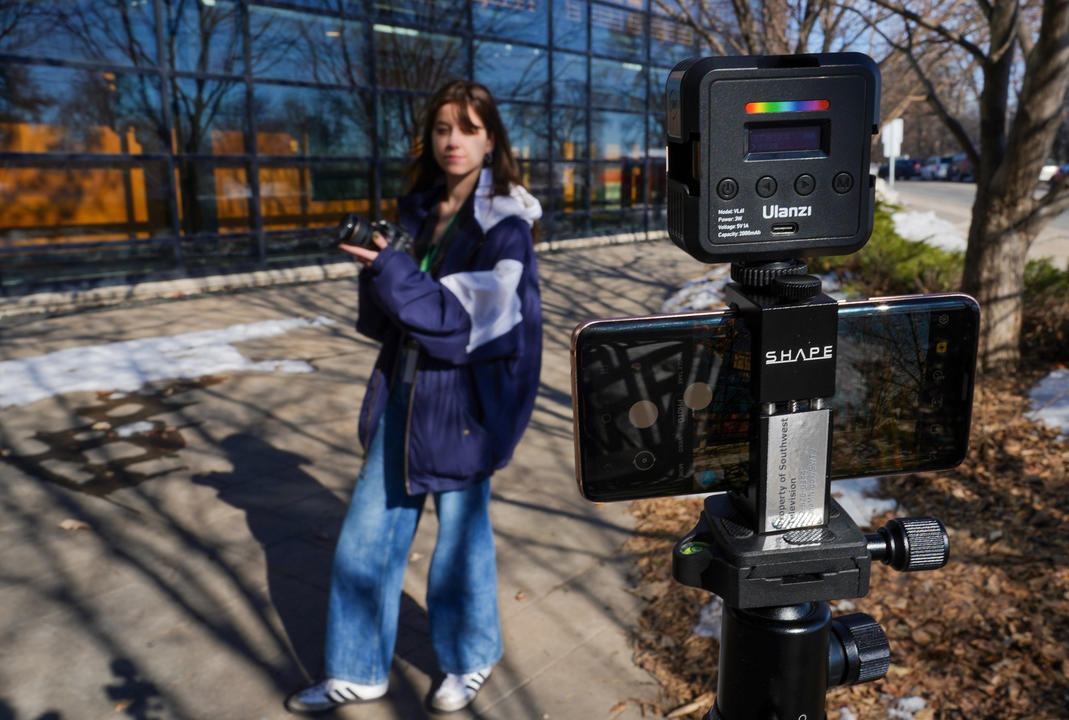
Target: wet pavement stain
(121,423)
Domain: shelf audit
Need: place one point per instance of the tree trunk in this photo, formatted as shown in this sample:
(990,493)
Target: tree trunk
(994,275)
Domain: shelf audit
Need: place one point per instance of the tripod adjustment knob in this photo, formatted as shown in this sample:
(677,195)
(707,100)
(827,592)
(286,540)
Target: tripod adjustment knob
(911,544)
(761,275)
(862,652)
(796,287)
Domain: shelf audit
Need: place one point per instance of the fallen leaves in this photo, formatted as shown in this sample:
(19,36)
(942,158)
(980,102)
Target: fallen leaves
(986,636)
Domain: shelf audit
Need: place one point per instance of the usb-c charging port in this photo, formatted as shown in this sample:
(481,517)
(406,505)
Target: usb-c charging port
(784,228)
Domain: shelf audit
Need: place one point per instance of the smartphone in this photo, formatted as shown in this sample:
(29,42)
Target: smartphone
(662,404)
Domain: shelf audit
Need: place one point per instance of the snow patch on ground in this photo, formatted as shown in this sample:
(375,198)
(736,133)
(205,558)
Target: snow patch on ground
(1050,401)
(127,366)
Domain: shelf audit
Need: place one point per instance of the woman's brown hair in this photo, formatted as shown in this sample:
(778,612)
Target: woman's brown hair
(424,171)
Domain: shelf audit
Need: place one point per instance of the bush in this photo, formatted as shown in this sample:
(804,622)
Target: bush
(1045,326)
(891,265)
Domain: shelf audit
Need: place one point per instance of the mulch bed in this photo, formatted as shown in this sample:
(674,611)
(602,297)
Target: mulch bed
(985,637)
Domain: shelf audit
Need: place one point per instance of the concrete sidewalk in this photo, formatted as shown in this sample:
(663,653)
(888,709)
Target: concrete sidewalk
(196,586)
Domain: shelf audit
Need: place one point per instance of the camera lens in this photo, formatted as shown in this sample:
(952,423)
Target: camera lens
(644,460)
(354,230)
(346,228)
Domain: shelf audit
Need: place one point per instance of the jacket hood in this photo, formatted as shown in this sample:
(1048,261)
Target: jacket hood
(492,209)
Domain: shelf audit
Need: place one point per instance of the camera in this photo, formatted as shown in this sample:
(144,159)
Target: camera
(358,231)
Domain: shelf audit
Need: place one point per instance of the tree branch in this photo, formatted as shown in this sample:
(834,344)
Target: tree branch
(944,32)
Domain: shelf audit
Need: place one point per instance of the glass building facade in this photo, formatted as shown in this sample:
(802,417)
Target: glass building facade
(153,138)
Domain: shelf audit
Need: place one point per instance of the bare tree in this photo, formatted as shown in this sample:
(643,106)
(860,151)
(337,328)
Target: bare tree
(1021,107)
(734,27)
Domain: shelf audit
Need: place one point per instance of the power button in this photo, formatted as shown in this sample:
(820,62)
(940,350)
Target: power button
(727,189)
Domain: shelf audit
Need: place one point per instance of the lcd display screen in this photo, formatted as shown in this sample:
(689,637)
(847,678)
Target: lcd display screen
(783,138)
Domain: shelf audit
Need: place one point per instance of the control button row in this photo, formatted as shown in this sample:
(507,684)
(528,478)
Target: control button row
(767,186)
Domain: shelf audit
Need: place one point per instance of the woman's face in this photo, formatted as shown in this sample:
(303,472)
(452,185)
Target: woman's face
(459,153)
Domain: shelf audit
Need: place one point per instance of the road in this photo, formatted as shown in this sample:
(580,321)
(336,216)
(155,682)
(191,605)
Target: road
(953,202)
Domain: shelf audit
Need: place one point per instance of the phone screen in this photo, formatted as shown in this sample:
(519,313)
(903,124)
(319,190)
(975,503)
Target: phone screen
(663,404)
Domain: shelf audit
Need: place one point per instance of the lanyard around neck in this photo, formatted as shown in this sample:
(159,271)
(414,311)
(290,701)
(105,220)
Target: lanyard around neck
(432,251)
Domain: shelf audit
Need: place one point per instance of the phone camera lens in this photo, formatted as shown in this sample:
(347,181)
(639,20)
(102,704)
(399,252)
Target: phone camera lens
(644,460)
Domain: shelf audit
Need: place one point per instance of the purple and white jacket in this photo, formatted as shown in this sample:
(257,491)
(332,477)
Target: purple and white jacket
(478,328)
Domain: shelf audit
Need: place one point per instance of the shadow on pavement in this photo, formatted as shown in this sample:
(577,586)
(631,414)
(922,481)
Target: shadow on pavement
(297,521)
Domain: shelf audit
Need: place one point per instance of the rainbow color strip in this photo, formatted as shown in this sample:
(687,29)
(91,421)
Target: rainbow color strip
(786,106)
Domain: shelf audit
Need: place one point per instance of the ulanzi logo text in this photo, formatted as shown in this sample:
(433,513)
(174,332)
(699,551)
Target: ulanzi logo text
(770,212)
(817,352)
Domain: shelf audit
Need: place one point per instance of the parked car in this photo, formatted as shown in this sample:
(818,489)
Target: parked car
(936,167)
(905,169)
(1060,173)
(1047,172)
(960,168)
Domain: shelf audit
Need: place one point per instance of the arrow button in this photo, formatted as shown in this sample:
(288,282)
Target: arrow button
(766,186)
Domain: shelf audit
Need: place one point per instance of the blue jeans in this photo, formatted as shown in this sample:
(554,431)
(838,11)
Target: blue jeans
(370,561)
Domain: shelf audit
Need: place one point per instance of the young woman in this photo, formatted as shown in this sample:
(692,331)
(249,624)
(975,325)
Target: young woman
(451,393)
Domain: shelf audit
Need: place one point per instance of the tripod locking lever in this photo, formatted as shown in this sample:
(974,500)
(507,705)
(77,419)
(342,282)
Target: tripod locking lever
(911,544)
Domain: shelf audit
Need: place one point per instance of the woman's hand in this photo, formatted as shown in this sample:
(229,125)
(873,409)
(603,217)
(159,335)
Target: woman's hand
(363,255)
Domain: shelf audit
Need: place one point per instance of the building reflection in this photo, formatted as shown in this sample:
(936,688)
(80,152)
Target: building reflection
(143,138)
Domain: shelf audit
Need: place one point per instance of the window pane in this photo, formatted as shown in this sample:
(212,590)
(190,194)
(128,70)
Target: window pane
(619,84)
(398,124)
(310,121)
(569,24)
(393,186)
(414,60)
(78,202)
(115,32)
(50,109)
(527,130)
(657,180)
(569,79)
(566,225)
(619,184)
(212,197)
(658,81)
(211,254)
(207,37)
(294,46)
(209,117)
(511,19)
(313,194)
(535,177)
(658,133)
(617,32)
(512,71)
(442,14)
(570,189)
(569,133)
(617,135)
(671,42)
(611,223)
(356,8)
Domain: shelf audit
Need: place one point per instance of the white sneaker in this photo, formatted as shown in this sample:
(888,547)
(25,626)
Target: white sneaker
(457,691)
(332,693)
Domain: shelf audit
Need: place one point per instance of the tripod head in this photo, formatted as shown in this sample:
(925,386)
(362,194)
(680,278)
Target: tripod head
(768,163)
(777,551)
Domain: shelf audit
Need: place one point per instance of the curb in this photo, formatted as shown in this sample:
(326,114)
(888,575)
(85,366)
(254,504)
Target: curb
(62,301)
